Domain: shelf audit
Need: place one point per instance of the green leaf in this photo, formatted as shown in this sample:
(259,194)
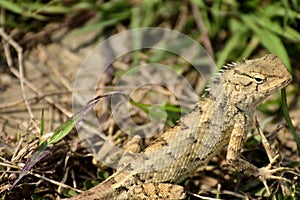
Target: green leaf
(268,39)
(251,46)
(70,193)
(42,125)
(277,10)
(157,112)
(36,197)
(62,131)
(229,47)
(286,31)
(288,119)
(106,22)
(19,9)
(42,151)
(13,7)
(240,35)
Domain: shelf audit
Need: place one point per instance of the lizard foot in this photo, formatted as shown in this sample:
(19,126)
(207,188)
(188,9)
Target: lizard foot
(157,191)
(267,172)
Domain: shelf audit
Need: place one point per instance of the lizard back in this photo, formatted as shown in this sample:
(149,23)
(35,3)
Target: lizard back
(227,107)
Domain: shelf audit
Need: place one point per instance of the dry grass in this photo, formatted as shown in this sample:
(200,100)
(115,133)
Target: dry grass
(40,76)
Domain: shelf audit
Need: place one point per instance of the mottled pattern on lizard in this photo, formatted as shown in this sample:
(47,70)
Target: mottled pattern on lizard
(220,119)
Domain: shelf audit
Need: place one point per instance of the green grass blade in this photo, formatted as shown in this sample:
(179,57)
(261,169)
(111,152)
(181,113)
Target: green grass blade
(238,39)
(13,7)
(42,151)
(284,31)
(42,125)
(288,119)
(62,131)
(268,39)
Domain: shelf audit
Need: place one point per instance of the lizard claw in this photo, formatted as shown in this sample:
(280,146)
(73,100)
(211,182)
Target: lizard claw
(267,172)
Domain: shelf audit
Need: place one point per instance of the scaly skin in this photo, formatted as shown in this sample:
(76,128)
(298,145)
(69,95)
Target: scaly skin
(221,118)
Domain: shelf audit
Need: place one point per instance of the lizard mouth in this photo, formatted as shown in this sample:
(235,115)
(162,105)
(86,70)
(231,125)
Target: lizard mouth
(277,86)
(287,79)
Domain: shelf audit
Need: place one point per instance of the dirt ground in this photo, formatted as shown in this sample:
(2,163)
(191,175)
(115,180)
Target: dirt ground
(49,74)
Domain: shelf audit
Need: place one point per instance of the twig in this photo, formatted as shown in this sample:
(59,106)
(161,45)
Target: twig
(55,182)
(71,23)
(9,165)
(53,67)
(227,192)
(270,152)
(19,50)
(39,93)
(35,97)
(17,149)
(204,33)
(181,22)
(9,149)
(64,179)
(32,87)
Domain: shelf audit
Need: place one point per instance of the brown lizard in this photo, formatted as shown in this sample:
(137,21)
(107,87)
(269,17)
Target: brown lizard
(221,118)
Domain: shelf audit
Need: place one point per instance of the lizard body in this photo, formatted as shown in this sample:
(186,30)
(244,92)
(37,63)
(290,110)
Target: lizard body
(221,118)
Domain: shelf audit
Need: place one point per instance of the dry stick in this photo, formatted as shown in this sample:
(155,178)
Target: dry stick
(273,158)
(66,169)
(54,68)
(270,152)
(19,50)
(64,179)
(204,33)
(73,178)
(11,104)
(14,155)
(35,97)
(48,99)
(226,192)
(9,149)
(181,21)
(8,165)
(17,149)
(74,21)
(34,89)
(54,182)
(43,95)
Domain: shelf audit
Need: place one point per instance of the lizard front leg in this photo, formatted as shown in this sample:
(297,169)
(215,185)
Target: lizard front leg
(235,146)
(233,158)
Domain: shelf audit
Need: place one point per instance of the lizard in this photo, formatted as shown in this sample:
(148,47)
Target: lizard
(220,119)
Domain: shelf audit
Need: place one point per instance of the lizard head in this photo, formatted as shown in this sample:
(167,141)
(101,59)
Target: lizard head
(249,83)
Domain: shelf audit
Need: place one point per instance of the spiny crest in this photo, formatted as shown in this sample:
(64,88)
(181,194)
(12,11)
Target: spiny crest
(217,78)
(215,81)
(231,65)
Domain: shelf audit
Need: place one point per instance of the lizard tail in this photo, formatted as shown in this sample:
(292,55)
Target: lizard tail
(102,191)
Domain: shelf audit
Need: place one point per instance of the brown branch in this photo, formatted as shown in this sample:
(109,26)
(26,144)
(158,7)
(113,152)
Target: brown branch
(73,22)
(30,85)
(7,40)
(204,33)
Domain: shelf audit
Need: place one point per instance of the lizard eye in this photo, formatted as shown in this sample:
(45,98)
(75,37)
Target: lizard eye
(259,79)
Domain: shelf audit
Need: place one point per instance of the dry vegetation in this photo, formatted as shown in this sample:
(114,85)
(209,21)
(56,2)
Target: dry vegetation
(44,44)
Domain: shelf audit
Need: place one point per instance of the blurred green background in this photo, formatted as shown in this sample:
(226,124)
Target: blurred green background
(228,29)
